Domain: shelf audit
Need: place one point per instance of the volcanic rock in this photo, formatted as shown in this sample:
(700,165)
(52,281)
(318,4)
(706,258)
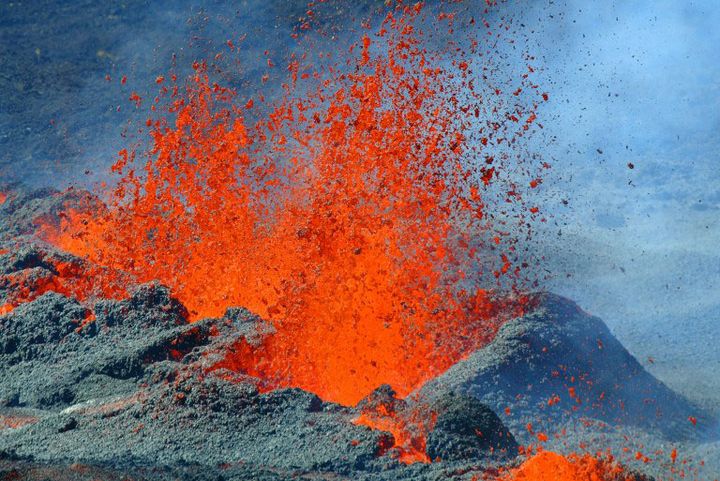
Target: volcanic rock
(51,357)
(467,429)
(385,398)
(559,363)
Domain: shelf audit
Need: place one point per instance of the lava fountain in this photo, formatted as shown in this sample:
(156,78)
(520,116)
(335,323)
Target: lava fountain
(351,214)
(374,215)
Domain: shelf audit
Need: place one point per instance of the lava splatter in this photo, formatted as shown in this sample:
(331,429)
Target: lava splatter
(355,216)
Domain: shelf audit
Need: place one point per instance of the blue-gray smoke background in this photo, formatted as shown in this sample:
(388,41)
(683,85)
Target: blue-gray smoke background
(631,83)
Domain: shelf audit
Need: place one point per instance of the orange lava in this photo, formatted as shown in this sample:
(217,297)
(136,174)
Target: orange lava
(411,449)
(67,278)
(352,214)
(17,421)
(409,428)
(550,466)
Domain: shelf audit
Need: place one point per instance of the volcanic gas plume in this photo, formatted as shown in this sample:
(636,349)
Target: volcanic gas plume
(351,213)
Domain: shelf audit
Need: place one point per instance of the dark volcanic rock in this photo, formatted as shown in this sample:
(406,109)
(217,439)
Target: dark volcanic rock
(51,358)
(559,363)
(18,470)
(35,330)
(383,397)
(150,306)
(200,419)
(467,429)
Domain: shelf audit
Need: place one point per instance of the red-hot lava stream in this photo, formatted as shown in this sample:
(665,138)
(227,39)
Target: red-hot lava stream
(352,215)
(549,466)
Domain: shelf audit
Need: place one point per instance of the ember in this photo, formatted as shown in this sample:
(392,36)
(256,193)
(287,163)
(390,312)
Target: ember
(353,216)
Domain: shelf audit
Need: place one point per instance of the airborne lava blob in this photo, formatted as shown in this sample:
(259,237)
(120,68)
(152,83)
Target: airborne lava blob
(352,215)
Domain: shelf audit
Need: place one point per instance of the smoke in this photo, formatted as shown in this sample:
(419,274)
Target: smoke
(72,67)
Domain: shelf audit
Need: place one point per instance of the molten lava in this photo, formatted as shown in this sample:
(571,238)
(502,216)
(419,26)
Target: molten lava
(352,214)
(43,273)
(409,426)
(550,466)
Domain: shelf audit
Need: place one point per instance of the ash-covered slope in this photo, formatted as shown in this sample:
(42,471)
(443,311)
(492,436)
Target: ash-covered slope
(559,363)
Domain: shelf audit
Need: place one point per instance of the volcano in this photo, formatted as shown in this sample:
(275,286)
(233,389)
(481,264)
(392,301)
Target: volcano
(323,266)
(139,392)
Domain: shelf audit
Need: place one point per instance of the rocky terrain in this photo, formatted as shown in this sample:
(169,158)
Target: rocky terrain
(129,390)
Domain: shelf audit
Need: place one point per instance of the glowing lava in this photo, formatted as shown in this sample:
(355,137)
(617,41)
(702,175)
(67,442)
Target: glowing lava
(352,214)
(550,466)
(409,426)
(42,273)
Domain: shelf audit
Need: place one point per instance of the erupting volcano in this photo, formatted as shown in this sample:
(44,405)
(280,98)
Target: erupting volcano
(352,213)
(328,274)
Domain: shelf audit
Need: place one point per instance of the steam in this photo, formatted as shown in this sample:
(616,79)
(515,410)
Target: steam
(634,83)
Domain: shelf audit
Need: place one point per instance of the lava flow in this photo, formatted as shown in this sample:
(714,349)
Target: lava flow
(550,466)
